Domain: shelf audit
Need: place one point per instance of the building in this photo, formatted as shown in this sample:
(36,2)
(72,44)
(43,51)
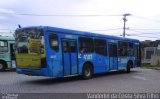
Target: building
(148,52)
(155,58)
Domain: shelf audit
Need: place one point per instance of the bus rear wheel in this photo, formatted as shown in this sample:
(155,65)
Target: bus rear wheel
(2,66)
(87,71)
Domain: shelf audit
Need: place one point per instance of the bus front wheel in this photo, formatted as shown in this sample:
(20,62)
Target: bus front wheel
(87,71)
(2,66)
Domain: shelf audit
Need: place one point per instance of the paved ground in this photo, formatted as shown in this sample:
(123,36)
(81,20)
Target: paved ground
(139,80)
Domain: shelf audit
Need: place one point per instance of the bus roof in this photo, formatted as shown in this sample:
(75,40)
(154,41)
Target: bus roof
(8,38)
(91,34)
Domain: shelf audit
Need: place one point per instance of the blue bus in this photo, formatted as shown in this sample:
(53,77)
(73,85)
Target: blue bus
(56,52)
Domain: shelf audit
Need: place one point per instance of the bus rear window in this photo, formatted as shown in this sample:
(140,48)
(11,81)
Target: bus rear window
(29,40)
(53,42)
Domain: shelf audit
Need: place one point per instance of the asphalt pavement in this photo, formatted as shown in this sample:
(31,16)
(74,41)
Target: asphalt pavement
(138,81)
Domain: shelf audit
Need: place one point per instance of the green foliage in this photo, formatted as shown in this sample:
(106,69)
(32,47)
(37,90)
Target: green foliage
(148,66)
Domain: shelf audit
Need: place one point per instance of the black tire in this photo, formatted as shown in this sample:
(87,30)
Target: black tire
(2,66)
(128,69)
(87,71)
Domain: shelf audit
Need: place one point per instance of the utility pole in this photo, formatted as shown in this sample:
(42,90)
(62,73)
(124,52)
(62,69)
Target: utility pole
(124,25)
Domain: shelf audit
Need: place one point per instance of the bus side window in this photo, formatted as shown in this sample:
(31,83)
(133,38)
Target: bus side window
(3,46)
(130,49)
(100,46)
(122,48)
(53,42)
(86,45)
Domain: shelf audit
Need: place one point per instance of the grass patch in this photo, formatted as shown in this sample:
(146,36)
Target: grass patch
(148,66)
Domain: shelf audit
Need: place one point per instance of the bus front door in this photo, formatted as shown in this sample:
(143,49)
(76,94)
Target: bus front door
(69,51)
(113,59)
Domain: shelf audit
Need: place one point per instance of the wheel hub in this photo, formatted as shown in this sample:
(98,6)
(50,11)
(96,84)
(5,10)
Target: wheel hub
(87,72)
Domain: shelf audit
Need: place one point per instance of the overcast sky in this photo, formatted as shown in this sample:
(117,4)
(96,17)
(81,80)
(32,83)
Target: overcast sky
(144,23)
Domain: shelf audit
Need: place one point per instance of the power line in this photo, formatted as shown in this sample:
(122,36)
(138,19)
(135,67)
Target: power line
(145,18)
(107,29)
(6,32)
(62,15)
(145,32)
(126,29)
(144,36)
(145,29)
(4,29)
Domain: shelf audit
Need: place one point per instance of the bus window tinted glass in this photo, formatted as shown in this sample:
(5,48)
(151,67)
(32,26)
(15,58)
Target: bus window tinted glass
(3,46)
(122,49)
(29,40)
(53,41)
(113,50)
(73,46)
(100,46)
(65,46)
(3,43)
(130,49)
(86,45)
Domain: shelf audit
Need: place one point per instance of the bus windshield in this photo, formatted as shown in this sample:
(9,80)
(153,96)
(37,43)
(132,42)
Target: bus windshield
(29,41)
(3,46)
